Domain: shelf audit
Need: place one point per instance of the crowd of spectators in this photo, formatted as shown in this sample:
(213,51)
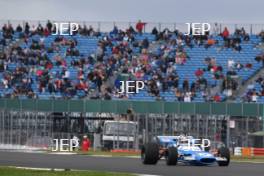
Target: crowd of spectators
(115,55)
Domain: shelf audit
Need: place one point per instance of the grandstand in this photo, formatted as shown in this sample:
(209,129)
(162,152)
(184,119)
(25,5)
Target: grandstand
(52,86)
(90,64)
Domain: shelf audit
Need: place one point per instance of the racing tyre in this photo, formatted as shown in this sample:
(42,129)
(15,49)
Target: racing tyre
(172,156)
(150,153)
(224,152)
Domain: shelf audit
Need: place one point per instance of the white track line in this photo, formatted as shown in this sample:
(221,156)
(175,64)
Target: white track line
(62,153)
(254,162)
(39,169)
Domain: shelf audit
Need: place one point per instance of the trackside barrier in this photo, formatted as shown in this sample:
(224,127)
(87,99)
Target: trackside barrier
(238,151)
(258,151)
(126,151)
(246,151)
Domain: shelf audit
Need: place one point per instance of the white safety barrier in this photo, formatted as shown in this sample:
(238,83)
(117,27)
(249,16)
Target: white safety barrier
(238,151)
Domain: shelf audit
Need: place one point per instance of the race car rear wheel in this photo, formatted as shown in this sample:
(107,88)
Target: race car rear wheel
(171,156)
(225,153)
(150,153)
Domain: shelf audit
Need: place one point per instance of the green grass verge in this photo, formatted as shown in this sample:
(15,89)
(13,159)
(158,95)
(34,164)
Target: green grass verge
(11,171)
(248,158)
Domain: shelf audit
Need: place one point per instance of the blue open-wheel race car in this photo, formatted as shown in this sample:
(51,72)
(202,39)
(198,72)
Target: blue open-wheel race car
(175,149)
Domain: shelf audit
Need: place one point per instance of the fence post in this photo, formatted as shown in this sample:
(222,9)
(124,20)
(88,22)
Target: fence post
(251,29)
(84,106)
(146,128)
(228,131)
(247,131)
(19,123)
(206,128)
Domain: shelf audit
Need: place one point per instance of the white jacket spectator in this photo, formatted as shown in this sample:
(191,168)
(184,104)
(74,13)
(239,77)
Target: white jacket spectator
(230,64)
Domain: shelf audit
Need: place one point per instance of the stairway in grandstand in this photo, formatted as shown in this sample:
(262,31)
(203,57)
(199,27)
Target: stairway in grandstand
(251,84)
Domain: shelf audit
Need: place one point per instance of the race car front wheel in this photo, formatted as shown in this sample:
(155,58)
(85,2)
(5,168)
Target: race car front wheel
(225,153)
(150,153)
(171,156)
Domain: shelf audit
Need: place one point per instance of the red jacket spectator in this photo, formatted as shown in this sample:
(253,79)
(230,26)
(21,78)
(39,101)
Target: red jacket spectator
(46,32)
(248,65)
(115,50)
(39,72)
(49,65)
(214,69)
(225,33)
(140,26)
(58,84)
(217,98)
(82,86)
(198,72)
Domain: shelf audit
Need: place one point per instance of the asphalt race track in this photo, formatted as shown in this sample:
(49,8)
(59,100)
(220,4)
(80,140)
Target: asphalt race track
(119,164)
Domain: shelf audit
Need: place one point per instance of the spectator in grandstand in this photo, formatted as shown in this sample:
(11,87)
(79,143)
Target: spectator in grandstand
(260,58)
(216,98)
(155,32)
(216,29)
(27,28)
(225,33)
(241,33)
(49,26)
(185,85)
(51,87)
(188,41)
(140,26)
(254,96)
(248,66)
(72,52)
(8,31)
(178,95)
(153,88)
(261,35)
(201,84)
(40,29)
(246,37)
(239,66)
(19,28)
(181,57)
(145,43)
(230,64)
(114,31)
(187,97)
(210,42)
(199,72)
(237,47)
